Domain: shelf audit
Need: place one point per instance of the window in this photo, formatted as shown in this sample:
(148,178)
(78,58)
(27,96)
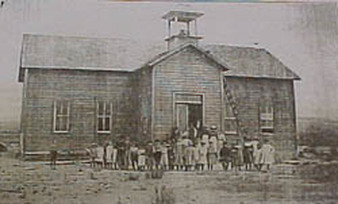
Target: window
(267,118)
(230,122)
(61,116)
(104,117)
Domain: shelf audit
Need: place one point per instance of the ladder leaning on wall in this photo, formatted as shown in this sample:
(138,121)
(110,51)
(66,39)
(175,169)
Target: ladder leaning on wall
(234,107)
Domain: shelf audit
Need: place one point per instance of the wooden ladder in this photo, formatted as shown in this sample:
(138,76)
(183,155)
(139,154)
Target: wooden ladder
(233,104)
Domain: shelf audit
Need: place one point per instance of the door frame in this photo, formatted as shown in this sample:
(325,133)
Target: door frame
(174,102)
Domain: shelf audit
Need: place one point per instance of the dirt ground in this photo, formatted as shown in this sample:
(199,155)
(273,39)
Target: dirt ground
(31,183)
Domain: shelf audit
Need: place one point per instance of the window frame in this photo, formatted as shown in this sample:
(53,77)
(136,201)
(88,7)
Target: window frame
(104,116)
(267,116)
(56,115)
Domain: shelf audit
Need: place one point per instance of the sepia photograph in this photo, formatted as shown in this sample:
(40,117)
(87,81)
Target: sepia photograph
(168,102)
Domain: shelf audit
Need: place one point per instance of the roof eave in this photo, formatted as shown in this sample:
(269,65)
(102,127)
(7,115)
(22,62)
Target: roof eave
(78,68)
(260,77)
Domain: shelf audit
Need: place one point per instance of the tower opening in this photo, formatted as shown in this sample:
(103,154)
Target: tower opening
(182,28)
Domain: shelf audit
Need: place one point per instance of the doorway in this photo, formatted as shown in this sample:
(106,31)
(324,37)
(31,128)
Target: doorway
(188,112)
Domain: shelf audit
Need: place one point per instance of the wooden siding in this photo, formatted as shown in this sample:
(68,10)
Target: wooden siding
(190,72)
(82,89)
(142,96)
(249,93)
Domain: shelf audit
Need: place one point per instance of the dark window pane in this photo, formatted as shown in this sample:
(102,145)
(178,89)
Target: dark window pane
(108,109)
(267,126)
(107,124)
(101,105)
(64,108)
(57,124)
(63,122)
(100,124)
(58,108)
(267,130)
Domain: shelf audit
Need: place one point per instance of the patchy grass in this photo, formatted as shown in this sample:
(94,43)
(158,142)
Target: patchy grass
(25,182)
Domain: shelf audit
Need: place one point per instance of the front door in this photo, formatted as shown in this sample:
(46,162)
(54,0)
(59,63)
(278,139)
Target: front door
(188,111)
(182,117)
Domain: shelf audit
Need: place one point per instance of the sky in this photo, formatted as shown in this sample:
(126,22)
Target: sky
(304,36)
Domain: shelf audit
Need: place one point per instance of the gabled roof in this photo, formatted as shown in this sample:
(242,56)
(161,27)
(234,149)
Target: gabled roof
(166,55)
(64,52)
(251,62)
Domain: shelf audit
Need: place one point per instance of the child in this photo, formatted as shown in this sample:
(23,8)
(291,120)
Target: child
(164,156)
(239,147)
(197,146)
(179,154)
(53,156)
(267,155)
(257,156)
(134,156)
(247,156)
(234,157)
(202,156)
(189,157)
(225,156)
(141,159)
(212,155)
(104,162)
(109,152)
(92,154)
(100,155)
(157,154)
(149,156)
(114,157)
(121,155)
(171,156)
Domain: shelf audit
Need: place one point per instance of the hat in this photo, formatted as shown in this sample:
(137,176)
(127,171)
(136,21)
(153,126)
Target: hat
(213,127)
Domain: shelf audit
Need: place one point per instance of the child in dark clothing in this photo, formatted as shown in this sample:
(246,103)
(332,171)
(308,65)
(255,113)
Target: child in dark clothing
(225,156)
(234,157)
(149,156)
(157,154)
(53,156)
(247,156)
(134,156)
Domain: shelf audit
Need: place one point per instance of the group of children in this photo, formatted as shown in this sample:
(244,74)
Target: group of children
(183,152)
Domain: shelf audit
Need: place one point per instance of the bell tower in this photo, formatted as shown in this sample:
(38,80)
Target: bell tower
(182,28)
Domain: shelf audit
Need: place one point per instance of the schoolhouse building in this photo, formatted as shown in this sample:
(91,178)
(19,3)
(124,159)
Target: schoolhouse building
(79,90)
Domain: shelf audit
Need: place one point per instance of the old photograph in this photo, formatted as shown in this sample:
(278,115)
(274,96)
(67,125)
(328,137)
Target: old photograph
(168,102)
